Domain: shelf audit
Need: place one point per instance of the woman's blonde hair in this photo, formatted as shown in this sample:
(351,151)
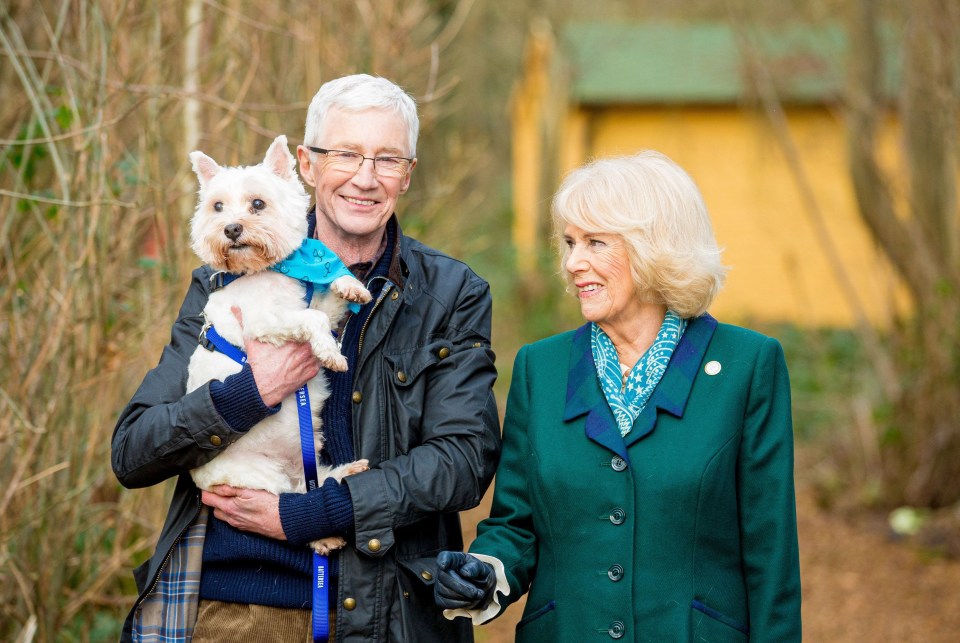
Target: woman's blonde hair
(654,205)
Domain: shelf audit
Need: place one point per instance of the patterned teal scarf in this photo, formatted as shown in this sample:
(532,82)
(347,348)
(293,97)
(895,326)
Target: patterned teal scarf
(628,398)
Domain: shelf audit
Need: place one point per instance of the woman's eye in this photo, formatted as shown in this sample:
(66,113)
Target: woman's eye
(596,243)
(218,206)
(258,204)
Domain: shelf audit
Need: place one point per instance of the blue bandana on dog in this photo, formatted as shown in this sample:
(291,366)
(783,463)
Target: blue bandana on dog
(316,263)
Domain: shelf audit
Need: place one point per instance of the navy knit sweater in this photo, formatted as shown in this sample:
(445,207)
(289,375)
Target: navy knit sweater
(241,567)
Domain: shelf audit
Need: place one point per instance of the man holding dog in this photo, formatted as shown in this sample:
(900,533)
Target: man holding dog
(416,402)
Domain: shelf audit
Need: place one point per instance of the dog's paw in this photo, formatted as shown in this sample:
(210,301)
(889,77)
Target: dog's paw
(332,360)
(355,467)
(326,545)
(325,349)
(351,289)
(342,471)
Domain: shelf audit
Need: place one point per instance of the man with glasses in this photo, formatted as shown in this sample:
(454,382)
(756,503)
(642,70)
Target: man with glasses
(416,402)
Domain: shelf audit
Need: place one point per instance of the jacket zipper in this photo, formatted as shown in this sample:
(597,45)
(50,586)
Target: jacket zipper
(166,559)
(383,294)
(350,316)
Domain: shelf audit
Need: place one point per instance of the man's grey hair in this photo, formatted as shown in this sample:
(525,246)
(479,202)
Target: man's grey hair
(357,93)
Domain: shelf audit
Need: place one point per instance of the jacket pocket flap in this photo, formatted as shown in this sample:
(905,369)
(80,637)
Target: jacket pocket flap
(424,568)
(408,366)
(720,616)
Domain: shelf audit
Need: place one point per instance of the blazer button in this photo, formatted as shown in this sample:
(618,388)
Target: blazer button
(425,575)
(216,440)
(618,463)
(617,516)
(617,630)
(357,397)
(615,573)
(401,377)
(373,545)
(349,604)
(444,353)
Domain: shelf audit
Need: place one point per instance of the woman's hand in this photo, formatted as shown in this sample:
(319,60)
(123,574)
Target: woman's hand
(463,581)
(251,510)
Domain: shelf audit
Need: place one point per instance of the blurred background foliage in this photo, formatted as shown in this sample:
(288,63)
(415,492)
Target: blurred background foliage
(102,101)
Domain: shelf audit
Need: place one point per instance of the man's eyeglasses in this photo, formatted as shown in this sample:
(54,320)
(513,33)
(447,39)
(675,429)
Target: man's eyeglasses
(352,162)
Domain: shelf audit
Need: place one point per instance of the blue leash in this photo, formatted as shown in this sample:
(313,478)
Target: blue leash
(321,594)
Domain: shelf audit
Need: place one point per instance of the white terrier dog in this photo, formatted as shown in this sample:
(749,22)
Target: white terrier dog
(247,220)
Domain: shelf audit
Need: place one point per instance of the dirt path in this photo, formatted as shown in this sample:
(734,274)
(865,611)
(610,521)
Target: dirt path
(858,585)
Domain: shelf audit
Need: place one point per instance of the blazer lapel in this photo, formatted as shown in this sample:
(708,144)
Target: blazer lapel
(585,397)
(674,388)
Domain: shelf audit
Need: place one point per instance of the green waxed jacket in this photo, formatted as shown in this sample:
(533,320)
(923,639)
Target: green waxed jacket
(683,531)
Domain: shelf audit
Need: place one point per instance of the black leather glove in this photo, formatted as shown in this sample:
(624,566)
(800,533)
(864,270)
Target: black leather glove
(463,581)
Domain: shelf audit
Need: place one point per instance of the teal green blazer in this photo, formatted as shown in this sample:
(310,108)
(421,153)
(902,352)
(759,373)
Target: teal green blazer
(683,531)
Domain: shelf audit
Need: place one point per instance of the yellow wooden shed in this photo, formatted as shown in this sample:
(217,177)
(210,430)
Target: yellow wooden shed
(753,117)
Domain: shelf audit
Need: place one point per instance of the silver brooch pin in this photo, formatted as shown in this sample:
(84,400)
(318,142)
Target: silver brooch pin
(712,368)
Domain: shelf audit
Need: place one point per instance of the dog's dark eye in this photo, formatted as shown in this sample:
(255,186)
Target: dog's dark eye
(258,204)
(218,206)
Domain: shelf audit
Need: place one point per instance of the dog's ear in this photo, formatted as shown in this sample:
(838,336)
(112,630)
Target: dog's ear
(205,167)
(279,160)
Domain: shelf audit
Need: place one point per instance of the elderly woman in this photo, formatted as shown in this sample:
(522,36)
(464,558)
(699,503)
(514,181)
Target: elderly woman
(645,490)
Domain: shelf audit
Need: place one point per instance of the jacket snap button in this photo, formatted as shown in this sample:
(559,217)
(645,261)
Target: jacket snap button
(618,463)
(444,353)
(356,397)
(349,603)
(615,573)
(215,440)
(477,344)
(394,295)
(617,630)
(426,575)
(617,516)
(401,377)
(373,545)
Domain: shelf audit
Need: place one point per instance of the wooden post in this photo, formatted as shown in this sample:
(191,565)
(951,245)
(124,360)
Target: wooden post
(528,144)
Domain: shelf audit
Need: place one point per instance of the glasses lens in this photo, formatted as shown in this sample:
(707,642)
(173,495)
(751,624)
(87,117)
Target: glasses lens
(344,160)
(392,165)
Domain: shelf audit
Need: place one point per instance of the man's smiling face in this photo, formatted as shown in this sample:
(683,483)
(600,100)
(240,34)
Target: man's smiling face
(354,207)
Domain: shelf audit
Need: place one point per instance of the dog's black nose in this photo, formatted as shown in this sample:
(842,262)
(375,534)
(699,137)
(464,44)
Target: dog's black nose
(233,231)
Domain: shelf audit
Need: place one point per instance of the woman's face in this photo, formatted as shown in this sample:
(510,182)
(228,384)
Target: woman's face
(599,268)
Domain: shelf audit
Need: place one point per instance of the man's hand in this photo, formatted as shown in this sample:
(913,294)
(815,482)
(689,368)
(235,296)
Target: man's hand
(278,370)
(246,509)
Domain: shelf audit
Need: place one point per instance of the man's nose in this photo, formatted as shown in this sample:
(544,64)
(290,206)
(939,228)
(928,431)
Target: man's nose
(367,174)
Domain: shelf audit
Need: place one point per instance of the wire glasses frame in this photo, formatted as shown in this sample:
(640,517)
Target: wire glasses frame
(347,161)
